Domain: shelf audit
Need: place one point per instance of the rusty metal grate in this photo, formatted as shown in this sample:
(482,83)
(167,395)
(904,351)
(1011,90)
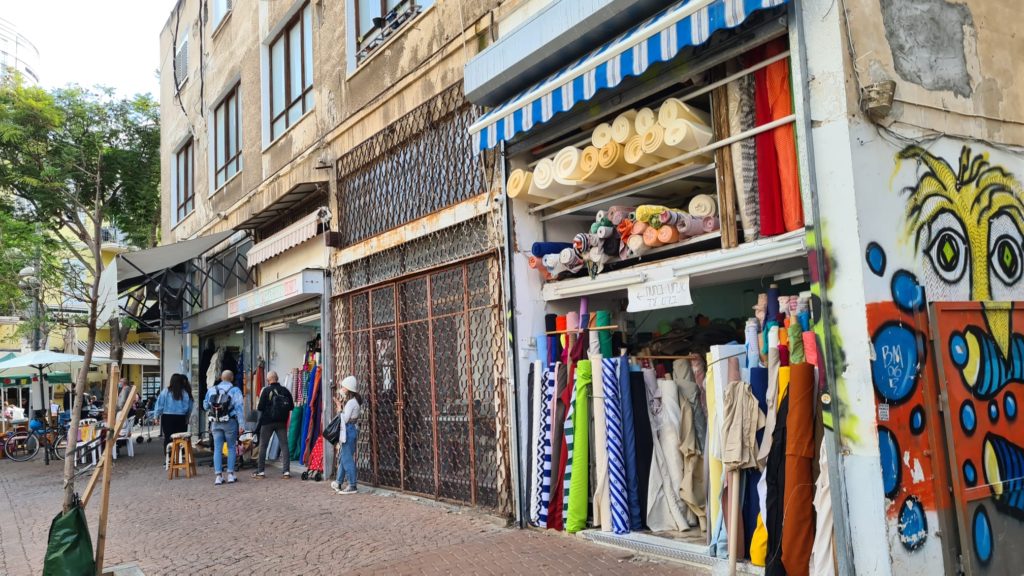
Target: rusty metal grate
(417,165)
(434,422)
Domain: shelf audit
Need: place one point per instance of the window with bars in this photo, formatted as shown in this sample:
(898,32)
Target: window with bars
(377,20)
(181,61)
(182,182)
(220,10)
(227,137)
(291,72)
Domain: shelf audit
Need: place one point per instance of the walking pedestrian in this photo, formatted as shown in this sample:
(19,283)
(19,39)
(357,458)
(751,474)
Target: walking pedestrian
(173,407)
(275,406)
(349,398)
(224,403)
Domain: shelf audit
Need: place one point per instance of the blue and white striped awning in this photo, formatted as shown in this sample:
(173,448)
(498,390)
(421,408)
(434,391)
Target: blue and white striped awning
(657,39)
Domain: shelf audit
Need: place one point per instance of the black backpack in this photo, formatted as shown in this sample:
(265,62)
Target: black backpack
(279,408)
(220,406)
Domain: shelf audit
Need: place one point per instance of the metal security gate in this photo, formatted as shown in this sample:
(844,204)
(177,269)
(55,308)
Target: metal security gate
(429,353)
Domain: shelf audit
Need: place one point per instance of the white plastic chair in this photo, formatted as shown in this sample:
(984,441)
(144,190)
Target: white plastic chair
(125,437)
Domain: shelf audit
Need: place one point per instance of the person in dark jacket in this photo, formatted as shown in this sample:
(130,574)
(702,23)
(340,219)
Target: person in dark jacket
(275,406)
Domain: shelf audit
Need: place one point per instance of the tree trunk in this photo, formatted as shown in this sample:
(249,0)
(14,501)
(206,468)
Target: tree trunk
(117,337)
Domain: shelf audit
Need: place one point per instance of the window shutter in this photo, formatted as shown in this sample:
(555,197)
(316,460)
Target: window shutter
(181,63)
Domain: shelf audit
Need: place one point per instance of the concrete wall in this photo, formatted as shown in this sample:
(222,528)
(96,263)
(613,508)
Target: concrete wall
(924,205)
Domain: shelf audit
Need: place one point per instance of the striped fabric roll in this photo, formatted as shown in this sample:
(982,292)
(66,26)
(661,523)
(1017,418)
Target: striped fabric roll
(569,433)
(616,455)
(537,476)
(544,448)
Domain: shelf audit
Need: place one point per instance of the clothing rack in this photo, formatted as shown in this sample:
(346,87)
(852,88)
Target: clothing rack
(581,330)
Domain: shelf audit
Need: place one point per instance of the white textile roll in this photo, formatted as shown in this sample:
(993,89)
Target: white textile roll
(634,153)
(624,127)
(568,169)
(674,109)
(703,205)
(544,181)
(645,118)
(686,135)
(602,135)
(592,172)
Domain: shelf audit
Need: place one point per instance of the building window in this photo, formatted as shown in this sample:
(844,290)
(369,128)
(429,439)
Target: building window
(227,156)
(183,187)
(181,61)
(229,275)
(291,72)
(150,382)
(378,20)
(220,10)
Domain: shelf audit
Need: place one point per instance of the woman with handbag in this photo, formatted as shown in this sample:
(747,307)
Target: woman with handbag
(347,404)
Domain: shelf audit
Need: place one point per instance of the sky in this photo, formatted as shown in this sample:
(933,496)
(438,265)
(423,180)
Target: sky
(114,43)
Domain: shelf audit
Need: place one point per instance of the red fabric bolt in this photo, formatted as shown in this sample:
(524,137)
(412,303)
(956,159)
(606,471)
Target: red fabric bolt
(769,187)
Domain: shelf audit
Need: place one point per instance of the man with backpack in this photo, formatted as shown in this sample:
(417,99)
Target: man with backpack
(224,405)
(275,406)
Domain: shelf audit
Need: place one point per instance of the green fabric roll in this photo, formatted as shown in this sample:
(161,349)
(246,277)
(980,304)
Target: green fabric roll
(604,318)
(294,427)
(579,493)
(796,343)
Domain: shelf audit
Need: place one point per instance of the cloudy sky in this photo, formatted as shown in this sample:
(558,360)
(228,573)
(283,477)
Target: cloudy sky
(110,42)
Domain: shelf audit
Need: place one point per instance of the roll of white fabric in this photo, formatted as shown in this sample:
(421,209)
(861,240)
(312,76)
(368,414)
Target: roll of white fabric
(703,205)
(687,136)
(674,109)
(568,166)
(544,183)
(624,126)
(645,118)
(602,135)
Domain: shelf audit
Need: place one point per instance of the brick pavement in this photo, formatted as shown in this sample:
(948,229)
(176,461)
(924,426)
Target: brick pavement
(287,527)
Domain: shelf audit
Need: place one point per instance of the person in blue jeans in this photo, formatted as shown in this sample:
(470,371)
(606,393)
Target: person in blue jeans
(223,403)
(347,404)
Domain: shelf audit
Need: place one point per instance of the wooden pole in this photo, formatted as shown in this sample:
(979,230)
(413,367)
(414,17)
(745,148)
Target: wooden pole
(108,456)
(121,419)
(724,169)
(734,520)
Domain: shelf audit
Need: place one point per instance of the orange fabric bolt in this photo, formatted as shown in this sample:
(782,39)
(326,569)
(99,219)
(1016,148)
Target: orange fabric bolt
(798,520)
(668,235)
(781,102)
(625,228)
(651,238)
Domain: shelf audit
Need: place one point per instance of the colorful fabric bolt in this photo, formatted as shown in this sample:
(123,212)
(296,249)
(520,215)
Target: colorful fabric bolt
(576,516)
(617,479)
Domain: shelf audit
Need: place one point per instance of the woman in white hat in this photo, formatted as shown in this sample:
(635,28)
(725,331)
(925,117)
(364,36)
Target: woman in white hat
(348,396)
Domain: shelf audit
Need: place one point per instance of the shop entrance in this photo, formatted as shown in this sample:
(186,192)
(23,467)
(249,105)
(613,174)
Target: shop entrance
(429,354)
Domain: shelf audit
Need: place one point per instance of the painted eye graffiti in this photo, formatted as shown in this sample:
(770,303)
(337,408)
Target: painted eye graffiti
(948,253)
(1006,259)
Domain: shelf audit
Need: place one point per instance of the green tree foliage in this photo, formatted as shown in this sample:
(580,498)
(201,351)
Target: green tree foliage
(72,160)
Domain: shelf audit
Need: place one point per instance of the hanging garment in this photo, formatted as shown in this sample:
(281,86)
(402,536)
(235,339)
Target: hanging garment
(618,493)
(772,397)
(294,427)
(769,187)
(558,410)
(691,447)
(821,552)
(579,493)
(780,100)
(644,441)
(798,523)
(775,484)
(759,543)
(742,417)
(602,492)
(665,510)
(568,445)
(545,446)
(536,379)
(740,95)
(749,508)
(714,461)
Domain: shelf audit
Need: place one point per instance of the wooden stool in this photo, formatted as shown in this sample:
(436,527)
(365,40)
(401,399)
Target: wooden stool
(181,456)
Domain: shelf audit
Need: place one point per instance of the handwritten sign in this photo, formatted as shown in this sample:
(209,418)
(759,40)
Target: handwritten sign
(662,294)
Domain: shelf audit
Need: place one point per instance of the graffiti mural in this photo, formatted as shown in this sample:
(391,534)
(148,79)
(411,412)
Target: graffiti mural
(962,241)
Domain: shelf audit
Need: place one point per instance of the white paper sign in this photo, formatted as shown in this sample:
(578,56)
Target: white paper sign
(661,294)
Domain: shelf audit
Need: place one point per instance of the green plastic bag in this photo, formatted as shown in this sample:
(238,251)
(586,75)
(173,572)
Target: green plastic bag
(69,546)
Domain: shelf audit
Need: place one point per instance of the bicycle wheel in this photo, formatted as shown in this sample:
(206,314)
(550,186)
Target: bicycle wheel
(60,446)
(21,447)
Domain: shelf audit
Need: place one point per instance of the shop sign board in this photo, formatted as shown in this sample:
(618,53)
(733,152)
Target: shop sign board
(659,294)
(255,300)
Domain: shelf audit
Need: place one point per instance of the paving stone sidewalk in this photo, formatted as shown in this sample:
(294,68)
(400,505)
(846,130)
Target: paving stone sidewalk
(277,526)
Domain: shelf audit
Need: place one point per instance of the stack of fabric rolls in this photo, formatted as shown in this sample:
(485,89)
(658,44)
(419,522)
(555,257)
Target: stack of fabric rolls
(635,139)
(623,232)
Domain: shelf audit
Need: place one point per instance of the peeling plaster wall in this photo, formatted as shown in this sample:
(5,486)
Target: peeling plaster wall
(956,63)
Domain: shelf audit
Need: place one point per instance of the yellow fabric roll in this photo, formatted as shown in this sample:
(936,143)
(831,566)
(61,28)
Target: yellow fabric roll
(653,143)
(544,183)
(601,135)
(519,186)
(673,109)
(567,166)
(611,156)
(645,118)
(591,167)
(784,376)
(686,135)
(650,214)
(634,153)
(759,544)
(624,127)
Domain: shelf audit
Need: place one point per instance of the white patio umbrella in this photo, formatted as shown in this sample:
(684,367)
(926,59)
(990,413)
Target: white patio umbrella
(43,361)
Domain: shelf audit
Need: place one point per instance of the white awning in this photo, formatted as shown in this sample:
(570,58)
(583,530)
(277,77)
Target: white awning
(290,237)
(134,354)
(135,265)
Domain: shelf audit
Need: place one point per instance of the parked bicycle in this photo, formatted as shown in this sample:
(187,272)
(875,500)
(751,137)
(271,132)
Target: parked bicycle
(23,445)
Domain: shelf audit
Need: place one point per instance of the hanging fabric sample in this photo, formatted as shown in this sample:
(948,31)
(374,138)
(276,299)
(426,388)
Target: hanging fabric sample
(643,441)
(740,93)
(560,407)
(781,103)
(769,187)
(602,512)
(798,523)
(536,380)
(544,450)
(665,510)
(579,493)
(618,493)
(691,446)
(822,549)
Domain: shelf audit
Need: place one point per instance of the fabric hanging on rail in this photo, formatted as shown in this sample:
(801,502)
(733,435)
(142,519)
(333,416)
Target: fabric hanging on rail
(822,550)
(536,380)
(602,513)
(798,523)
(740,94)
(570,444)
(781,102)
(713,454)
(633,382)
(294,428)
(665,510)
(769,187)
(618,492)
(692,490)
(579,493)
(775,483)
(742,417)
(772,396)
(559,402)
(604,318)
(544,450)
